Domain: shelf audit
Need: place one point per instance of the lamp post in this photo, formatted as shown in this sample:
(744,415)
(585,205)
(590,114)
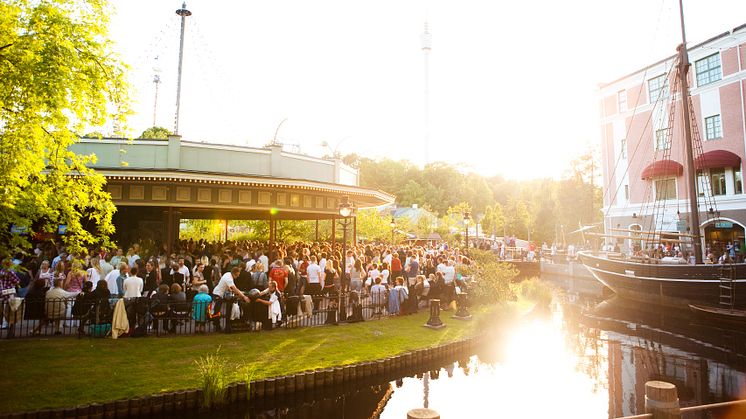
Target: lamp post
(392,224)
(467,218)
(346,210)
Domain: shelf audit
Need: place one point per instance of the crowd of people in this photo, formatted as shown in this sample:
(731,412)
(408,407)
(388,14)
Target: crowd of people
(198,277)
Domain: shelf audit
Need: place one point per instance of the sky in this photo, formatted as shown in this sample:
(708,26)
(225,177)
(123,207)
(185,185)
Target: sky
(513,86)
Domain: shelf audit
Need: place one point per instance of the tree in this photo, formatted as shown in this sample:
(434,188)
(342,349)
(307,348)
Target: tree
(156,133)
(58,78)
(494,220)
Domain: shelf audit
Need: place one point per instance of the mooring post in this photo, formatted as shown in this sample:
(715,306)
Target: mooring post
(434,321)
(422,414)
(662,400)
(462,309)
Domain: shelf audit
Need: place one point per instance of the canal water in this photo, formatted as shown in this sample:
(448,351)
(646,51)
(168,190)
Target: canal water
(585,356)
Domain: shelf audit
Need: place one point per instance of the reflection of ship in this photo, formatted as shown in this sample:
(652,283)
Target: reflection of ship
(646,343)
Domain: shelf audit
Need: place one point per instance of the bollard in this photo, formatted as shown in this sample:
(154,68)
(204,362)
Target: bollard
(434,321)
(462,309)
(422,414)
(662,400)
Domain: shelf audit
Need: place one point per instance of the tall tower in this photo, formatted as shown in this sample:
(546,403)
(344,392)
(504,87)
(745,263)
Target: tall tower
(427,41)
(184,13)
(156,82)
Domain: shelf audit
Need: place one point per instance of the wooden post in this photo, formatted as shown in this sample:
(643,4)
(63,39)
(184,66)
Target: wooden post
(226,230)
(354,230)
(662,400)
(317,229)
(422,414)
(434,321)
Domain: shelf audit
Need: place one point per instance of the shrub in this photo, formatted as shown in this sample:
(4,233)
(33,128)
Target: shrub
(491,278)
(536,291)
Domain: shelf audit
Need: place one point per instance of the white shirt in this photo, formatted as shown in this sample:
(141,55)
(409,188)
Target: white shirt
(133,259)
(373,274)
(225,284)
(314,272)
(265,262)
(111,281)
(250,264)
(322,264)
(388,259)
(93,276)
(449,274)
(184,271)
(132,287)
(385,276)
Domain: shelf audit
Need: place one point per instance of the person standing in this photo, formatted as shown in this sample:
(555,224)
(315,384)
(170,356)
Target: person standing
(227,284)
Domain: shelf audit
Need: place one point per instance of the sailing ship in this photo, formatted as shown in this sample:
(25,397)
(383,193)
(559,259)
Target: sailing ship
(704,287)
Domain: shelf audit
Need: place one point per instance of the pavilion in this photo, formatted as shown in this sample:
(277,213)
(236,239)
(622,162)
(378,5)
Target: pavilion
(156,183)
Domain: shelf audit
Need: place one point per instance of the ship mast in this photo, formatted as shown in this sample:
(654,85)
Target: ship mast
(688,149)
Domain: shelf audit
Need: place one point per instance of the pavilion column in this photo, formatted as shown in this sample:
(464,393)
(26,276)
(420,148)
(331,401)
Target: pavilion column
(271,231)
(169,215)
(317,229)
(334,231)
(354,231)
(226,230)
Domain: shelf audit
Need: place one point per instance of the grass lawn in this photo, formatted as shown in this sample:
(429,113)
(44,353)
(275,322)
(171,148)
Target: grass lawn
(63,372)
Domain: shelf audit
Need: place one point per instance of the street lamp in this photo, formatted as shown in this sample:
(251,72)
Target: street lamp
(346,210)
(392,224)
(467,218)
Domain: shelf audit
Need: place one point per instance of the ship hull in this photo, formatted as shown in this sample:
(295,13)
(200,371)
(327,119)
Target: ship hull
(664,284)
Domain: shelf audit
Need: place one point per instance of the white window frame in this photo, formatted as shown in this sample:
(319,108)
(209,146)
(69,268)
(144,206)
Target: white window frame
(717,130)
(714,73)
(667,140)
(666,179)
(621,100)
(661,91)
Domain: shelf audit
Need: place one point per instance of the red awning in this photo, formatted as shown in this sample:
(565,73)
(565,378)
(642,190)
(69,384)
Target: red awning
(717,158)
(663,168)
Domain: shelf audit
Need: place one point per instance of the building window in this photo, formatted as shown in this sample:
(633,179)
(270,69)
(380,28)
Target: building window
(701,183)
(708,70)
(657,88)
(621,98)
(717,181)
(662,142)
(738,180)
(623,148)
(665,189)
(713,127)
(626,192)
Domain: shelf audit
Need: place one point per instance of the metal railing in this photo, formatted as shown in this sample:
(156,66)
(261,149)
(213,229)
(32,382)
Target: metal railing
(155,317)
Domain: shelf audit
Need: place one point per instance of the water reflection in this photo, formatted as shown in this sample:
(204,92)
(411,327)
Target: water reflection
(580,358)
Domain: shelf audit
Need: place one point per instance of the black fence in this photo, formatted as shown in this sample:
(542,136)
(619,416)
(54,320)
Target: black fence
(154,317)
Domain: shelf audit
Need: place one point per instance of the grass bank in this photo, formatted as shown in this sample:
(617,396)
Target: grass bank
(53,373)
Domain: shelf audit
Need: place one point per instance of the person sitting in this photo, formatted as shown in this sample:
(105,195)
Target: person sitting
(200,302)
(56,305)
(159,306)
(178,304)
(83,306)
(35,303)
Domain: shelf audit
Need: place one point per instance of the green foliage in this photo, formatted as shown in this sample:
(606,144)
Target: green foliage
(376,226)
(536,291)
(58,77)
(541,206)
(492,278)
(213,378)
(156,133)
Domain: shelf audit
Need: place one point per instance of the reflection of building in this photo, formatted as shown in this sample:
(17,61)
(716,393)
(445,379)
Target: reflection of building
(165,181)
(634,360)
(642,146)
